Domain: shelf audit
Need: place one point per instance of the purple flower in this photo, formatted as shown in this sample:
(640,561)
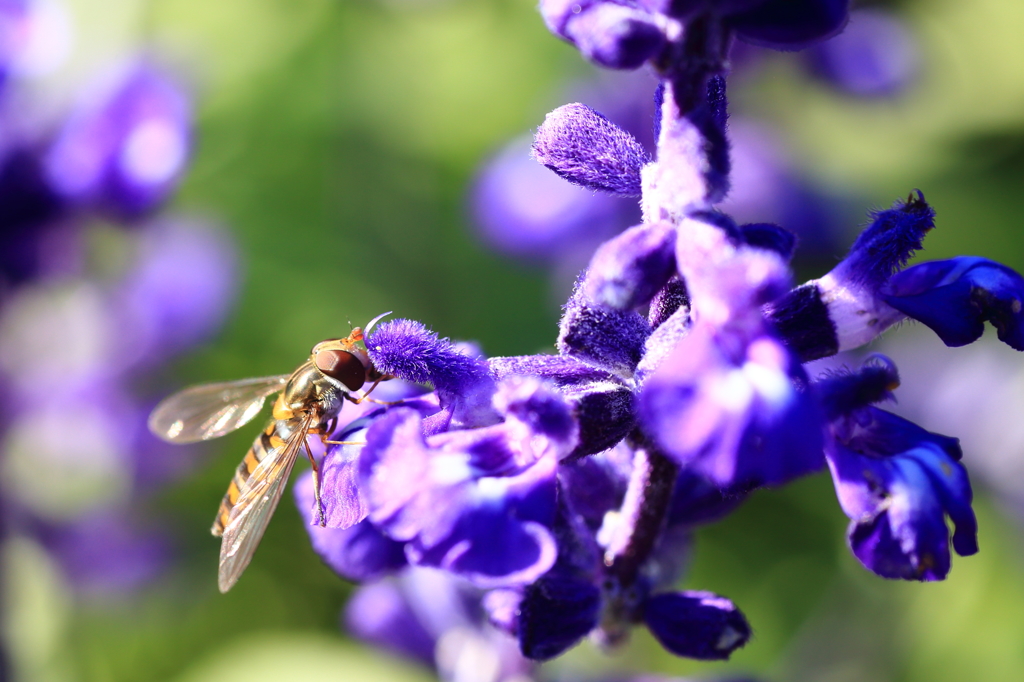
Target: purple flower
(611,34)
(477,502)
(178,290)
(741,421)
(437,620)
(124,149)
(357,552)
(104,554)
(622,35)
(874,56)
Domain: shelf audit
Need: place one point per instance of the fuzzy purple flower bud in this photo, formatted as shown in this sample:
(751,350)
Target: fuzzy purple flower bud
(611,34)
(628,270)
(611,339)
(408,350)
(587,149)
(696,624)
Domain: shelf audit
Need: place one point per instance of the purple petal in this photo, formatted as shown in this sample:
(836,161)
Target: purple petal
(358,552)
(609,34)
(381,615)
(739,422)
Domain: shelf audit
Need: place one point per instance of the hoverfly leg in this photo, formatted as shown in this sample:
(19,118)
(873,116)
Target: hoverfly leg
(366,394)
(320,518)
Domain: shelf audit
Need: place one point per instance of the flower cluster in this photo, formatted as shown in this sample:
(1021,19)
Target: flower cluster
(562,490)
(75,455)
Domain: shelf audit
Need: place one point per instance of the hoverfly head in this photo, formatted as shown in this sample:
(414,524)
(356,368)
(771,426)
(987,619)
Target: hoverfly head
(340,365)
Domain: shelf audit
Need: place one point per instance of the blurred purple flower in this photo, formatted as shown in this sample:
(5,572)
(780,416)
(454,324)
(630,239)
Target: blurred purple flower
(874,56)
(177,291)
(523,210)
(125,146)
(433,618)
(105,553)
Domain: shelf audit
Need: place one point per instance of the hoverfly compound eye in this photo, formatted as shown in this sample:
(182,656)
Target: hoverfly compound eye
(342,366)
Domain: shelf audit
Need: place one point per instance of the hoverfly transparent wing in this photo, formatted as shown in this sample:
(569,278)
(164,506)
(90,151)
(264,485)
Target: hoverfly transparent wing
(257,500)
(212,410)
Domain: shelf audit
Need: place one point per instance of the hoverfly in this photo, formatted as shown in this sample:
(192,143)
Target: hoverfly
(308,404)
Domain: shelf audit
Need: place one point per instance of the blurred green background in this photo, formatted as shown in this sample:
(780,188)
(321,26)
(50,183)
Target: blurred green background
(336,141)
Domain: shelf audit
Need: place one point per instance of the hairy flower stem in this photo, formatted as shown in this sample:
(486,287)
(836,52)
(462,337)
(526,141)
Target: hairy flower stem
(643,511)
(687,65)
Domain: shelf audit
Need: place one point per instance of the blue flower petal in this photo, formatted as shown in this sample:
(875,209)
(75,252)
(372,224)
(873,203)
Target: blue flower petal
(955,297)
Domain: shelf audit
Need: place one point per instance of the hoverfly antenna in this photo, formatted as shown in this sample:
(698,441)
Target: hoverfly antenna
(369,327)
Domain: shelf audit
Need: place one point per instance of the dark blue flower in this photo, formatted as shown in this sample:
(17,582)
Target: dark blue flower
(696,624)
(896,481)
(955,297)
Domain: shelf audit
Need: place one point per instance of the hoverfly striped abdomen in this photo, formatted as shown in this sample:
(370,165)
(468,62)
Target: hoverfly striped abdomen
(270,440)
